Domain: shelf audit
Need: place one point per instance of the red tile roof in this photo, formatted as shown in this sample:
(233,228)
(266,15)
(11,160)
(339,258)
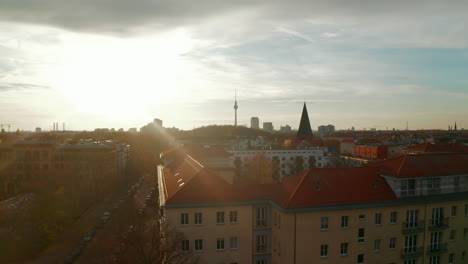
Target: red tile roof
(327,186)
(421,165)
(438,147)
(348,140)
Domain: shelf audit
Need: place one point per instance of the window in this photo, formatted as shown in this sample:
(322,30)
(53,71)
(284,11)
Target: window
(456,184)
(393,217)
(198,218)
(344,249)
(378,219)
(184,219)
(345,221)
(233,243)
(362,217)
(233,217)
(451,257)
(437,216)
(260,243)
(377,245)
(219,218)
(392,244)
(360,259)
(220,244)
(324,223)
(412,218)
(454,211)
(411,243)
(408,187)
(261,261)
(261,216)
(452,235)
(185,245)
(433,185)
(361,238)
(434,260)
(410,261)
(198,244)
(323,251)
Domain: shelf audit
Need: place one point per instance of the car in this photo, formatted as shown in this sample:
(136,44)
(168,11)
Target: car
(107,214)
(89,235)
(69,259)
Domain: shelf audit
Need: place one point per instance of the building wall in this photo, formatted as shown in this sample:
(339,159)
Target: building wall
(347,148)
(286,157)
(303,230)
(209,231)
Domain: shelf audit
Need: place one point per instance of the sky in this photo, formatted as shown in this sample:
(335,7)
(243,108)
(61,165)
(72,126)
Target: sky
(120,64)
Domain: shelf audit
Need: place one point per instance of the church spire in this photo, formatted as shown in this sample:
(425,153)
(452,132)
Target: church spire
(235,108)
(305,131)
(455,127)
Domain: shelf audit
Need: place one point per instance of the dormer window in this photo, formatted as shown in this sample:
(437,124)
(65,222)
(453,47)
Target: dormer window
(433,185)
(408,187)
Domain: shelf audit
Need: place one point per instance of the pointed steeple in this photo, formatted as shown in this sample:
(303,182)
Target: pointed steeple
(455,127)
(305,130)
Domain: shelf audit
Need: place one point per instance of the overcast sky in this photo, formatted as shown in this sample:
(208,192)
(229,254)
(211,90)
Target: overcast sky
(120,63)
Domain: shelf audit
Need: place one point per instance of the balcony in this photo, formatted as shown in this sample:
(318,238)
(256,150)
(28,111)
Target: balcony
(413,227)
(412,252)
(439,223)
(437,249)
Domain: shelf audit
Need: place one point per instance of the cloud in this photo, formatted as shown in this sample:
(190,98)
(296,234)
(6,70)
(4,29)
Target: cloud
(422,22)
(21,86)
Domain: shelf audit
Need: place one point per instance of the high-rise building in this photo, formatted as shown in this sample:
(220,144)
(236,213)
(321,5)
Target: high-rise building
(285,129)
(158,122)
(325,130)
(254,122)
(268,126)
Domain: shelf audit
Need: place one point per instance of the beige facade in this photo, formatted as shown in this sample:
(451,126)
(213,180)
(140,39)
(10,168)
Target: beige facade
(210,230)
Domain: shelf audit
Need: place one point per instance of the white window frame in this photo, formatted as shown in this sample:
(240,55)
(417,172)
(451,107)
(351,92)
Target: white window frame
(220,218)
(393,217)
(344,249)
(378,219)
(198,218)
(184,219)
(392,243)
(344,222)
(198,245)
(324,223)
(233,217)
(234,243)
(185,246)
(323,251)
(220,244)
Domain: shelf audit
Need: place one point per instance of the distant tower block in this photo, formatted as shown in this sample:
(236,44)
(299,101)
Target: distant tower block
(255,122)
(235,109)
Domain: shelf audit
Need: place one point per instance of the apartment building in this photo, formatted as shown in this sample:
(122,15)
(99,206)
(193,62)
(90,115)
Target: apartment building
(286,158)
(410,210)
(81,165)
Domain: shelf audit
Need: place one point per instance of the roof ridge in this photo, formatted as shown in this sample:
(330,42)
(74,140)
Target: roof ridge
(305,173)
(189,180)
(403,163)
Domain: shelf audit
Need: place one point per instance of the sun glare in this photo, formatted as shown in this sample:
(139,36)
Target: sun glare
(109,77)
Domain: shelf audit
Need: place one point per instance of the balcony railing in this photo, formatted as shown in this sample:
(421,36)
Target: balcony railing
(412,252)
(439,223)
(437,248)
(413,227)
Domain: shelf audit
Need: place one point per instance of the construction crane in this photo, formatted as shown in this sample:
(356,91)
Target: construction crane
(8,125)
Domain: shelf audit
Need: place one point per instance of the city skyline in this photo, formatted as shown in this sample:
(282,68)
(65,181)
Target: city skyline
(115,66)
